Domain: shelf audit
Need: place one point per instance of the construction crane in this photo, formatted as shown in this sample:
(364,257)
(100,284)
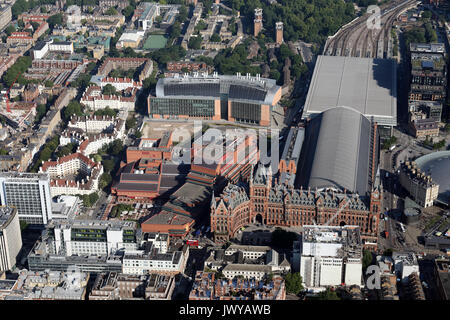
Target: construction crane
(8,109)
(335,215)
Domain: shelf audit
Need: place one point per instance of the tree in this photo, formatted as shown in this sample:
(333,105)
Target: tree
(215,38)
(46,152)
(34,24)
(81,82)
(54,20)
(66,150)
(201,25)
(111,11)
(93,197)
(105,180)
(128,12)
(182,13)
(19,7)
(73,108)
(129,53)
(328,294)
(41,110)
(195,42)
(426,15)
(389,142)
(116,147)
(106,112)
(23,225)
(275,74)
(16,71)
(293,283)
(174,31)
(10,29)
(48,83)
(165,55)
(97,158)
(130,123)
(108,165)
(367,259)
(285,52)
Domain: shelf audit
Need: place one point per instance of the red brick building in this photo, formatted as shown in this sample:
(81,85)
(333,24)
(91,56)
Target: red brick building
(279,205)
(178,66)
(148,172)
(31,92)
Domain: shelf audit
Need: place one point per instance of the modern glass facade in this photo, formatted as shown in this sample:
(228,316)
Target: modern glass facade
(61,263)
(246,112)
(189,107)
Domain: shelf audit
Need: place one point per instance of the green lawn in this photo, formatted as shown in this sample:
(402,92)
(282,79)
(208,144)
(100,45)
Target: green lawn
(155,41)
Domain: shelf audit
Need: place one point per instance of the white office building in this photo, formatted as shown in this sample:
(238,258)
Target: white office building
(92,237)
(10,237)
(160,241)
(29,193)
(152,260)
(247,271)
(405,263)
(331,256)
(249,252)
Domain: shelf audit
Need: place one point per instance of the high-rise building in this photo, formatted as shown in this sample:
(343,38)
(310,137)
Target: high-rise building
(279,32)
(29,193)
(5,15)
(257,22)
(428,79)
(10,237)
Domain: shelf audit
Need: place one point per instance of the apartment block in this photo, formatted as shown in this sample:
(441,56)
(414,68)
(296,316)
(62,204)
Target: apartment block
(10,237)
(418,184)
(29,193)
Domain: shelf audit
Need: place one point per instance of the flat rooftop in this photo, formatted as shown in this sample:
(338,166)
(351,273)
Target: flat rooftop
(364,84)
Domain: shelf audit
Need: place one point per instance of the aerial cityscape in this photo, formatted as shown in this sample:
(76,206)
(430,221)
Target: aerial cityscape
(239,150)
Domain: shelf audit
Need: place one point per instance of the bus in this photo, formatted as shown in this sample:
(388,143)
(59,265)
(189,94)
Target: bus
(192,243)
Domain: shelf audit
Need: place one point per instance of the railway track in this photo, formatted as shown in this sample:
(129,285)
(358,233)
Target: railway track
(358,40)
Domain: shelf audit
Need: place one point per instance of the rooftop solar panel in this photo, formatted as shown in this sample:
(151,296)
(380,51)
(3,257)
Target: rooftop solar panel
(248,93)
(193,89)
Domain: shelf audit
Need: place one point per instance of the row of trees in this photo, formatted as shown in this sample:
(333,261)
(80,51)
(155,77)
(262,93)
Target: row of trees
(106,112)
(309,20)
(73,108)
(16,71)
(164,55)
(434,145)
(46,153)
(89,199)
(424,34)
(66,150)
